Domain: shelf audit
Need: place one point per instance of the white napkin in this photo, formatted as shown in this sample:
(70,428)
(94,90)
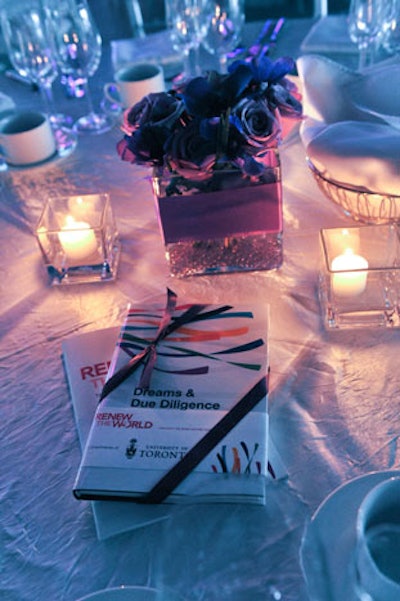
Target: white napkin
(377,92)
(349,152)
(324,85)
(350,131)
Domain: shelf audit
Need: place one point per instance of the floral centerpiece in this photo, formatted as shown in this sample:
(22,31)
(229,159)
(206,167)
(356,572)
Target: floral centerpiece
(218,132)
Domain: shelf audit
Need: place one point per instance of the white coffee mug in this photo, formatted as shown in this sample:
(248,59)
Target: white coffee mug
(378,542)
(133,82)
(26,138)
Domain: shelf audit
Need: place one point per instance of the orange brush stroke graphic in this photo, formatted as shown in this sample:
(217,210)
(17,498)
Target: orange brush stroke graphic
(201,335)
(236,461)
(191,334)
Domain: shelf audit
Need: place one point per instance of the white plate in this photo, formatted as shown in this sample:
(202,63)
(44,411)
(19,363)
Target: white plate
(130,593)
(54,157)
(328,543)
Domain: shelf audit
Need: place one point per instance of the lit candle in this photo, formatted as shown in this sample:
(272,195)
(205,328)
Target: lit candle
(80,208)
(350,274)
(77,239)
(341,239)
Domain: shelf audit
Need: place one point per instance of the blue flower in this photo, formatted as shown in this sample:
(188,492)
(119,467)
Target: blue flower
(212,95)
(264,70)
(213,122)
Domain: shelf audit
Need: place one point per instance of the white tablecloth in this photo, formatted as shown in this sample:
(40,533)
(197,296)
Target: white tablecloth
(334,400)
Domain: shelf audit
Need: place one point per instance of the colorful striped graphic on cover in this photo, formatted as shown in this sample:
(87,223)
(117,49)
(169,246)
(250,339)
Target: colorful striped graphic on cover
(237,465)
(141,321)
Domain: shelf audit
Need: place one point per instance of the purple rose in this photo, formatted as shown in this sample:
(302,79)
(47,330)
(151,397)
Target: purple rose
(145,146)
(159,109)
(147,126)
(189,153)
(257,123)
(124,151)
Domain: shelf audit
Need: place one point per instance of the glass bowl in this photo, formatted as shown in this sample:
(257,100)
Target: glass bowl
(359,203)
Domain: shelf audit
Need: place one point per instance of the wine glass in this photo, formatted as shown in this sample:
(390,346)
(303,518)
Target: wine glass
(366,25)
(78,48)
(185,18)
(29,48)
(391,40)
(224,24)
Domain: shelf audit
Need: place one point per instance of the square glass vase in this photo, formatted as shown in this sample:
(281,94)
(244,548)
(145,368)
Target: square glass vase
(224,223)
(359,282)
(78,239)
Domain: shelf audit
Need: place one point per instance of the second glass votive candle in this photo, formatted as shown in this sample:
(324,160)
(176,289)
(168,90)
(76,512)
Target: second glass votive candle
(359,282)
(78,239)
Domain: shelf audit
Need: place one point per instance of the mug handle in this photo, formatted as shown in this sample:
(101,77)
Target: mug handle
(112,99)
(3,159)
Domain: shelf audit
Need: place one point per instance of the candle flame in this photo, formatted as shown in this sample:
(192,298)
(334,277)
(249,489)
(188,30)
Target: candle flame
(72,224)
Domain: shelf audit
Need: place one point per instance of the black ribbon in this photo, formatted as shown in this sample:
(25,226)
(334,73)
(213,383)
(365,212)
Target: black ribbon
(148,356)
(191,460)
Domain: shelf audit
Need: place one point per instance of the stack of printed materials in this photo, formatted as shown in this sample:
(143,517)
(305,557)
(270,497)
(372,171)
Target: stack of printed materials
(183,414)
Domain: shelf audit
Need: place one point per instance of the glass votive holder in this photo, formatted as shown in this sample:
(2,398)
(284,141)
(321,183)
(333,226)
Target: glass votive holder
(78,239)
(359,283)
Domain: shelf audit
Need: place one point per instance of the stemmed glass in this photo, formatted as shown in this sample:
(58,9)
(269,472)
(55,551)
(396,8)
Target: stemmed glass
(29,48)
(366,26)
(185,18)
(391,41)
(78,46)
(224,23)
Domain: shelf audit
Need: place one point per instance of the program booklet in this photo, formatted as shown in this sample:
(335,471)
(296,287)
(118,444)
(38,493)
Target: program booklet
(87,357)
(184,411)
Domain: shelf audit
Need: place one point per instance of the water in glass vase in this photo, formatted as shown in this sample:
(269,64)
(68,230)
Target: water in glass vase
(223,222)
